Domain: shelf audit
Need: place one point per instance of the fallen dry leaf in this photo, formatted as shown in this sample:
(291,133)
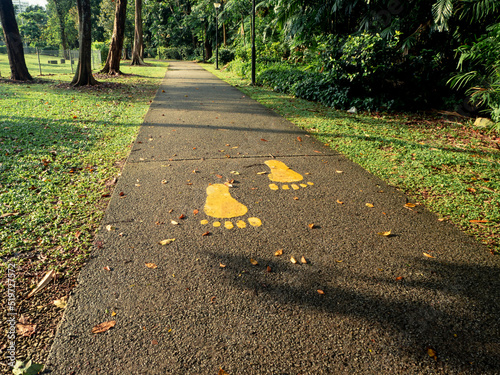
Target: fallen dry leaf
(167,241)
(295,198)
(369,205)
(293,260)
(49,276)
(8,214)
(218,176)
(340,202)
(320,292)
(428,255)
(173,222)
(303,260)
(163,181)
(222,265)
(299,139)
(254,262)
(385,234)
(478,221)
(278,252)
(113,313)
(151,265)
(399,278)
(195,212)
(268,269)
(261,173)
(263,140)
(109,228)
(337,171)
(222,372)
(311,226)
(182,216)
(206,233)
(234,172)
(411,205)
(106,268)
(25,329)
(61,302)
(103,327)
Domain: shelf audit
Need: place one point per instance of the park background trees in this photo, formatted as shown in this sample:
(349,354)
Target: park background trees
(373,55)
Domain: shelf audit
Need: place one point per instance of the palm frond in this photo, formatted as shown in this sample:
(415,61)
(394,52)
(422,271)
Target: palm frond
(442,11)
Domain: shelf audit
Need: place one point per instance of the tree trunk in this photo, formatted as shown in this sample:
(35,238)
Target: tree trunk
(138,42)
(83,75)
(62,29)
(208,46)
(112,66)
(18,68)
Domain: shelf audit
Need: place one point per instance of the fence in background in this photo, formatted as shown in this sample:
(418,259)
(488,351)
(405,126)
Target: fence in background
(47,62)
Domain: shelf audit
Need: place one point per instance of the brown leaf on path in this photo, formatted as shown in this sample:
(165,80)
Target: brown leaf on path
(254,262)
(103,327)
(207,233)
(268,269)
(222,372)
(222,265)
(319,152)
(154,342)
(151,265)
(263,140)
(278,252)
(369,205)
(25,330)
(182,216)
(339,202)
(303,260)
(218,176)
(195,212)
(432,353)
(478,221)
(311,226)
(106,268)
(410,205)
(167,241)
(295,198)
(261,173)
(428,255)
(173,222)
(385,234)
(293,260)
(320,292)
(299,139)
(337,171)
(399,278)
(212,299)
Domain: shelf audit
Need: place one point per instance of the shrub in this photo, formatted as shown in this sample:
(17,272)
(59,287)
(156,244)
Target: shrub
(104,48)
(225,56)
(168,53)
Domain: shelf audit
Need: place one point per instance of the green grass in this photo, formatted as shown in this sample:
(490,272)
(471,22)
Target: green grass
(58,148)
(449,167)
(34,67)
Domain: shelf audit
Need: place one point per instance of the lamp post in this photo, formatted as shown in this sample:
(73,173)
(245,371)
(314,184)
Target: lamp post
(217,6)
(253,42)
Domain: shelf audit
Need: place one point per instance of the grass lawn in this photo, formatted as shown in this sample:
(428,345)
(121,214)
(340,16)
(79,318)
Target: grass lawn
(450,167)
(60,150)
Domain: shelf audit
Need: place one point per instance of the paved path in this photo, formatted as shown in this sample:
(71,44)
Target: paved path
(362,304)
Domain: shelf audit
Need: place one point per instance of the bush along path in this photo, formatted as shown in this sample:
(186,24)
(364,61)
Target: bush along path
(61,150)
(440,159)
(236,243)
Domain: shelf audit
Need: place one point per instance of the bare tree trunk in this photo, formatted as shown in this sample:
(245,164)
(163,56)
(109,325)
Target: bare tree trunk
(83,75)
(207,46)
(112,66)
(62,29)
(18,68)
(138,42)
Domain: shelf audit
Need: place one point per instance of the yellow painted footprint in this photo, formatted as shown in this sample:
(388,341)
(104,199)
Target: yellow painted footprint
(221,205)
(281,173)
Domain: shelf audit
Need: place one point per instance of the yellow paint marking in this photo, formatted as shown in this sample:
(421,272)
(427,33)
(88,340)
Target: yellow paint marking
(285,187)
(221,205)
(295,187)
(254,221)
(281,173)
(273,187)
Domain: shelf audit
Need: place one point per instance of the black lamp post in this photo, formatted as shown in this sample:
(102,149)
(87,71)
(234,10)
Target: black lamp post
(217,6)
(253,42)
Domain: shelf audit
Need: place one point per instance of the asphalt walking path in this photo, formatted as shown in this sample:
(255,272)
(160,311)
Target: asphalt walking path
(243,186)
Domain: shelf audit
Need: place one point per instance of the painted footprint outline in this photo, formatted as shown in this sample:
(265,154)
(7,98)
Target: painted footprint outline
(221,205)
(281,173)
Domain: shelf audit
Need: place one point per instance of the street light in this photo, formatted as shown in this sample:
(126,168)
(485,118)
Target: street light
(217,6)
(253,42)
